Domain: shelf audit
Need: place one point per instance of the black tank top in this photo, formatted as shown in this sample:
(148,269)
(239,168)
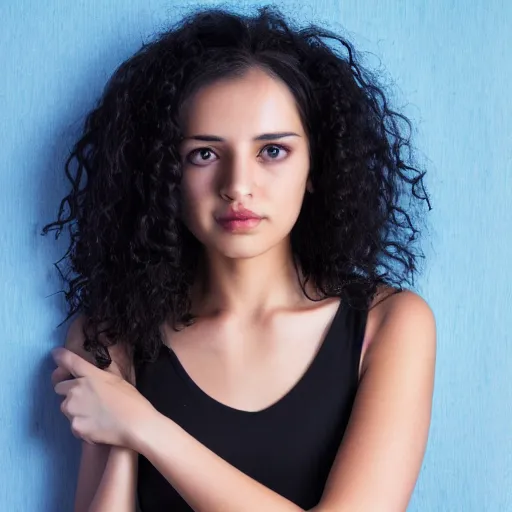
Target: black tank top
(289,446)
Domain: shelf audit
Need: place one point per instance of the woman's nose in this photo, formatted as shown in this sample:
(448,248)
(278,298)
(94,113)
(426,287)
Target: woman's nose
(237,178)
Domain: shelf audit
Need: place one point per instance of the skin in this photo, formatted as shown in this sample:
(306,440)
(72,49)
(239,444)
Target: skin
(248,290)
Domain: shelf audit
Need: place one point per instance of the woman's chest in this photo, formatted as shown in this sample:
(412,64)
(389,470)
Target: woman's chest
(249,367)
(288,447)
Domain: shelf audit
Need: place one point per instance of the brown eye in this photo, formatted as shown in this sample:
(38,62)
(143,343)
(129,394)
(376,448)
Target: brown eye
(200,156)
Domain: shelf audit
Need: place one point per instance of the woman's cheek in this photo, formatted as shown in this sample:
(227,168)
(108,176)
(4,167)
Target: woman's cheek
(197,212)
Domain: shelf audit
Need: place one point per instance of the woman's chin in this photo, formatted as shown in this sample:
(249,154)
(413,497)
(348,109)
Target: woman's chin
(241,253)
(240,249)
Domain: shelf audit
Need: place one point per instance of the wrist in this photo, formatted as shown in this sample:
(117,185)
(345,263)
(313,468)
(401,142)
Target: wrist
(144,430)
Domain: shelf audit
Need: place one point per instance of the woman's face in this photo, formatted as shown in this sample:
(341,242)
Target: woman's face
(245,165)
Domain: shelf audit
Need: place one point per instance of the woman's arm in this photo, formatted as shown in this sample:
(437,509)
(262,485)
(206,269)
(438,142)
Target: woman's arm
(379,460)
(92,465)
(103,468)
(205,481)
(117,488)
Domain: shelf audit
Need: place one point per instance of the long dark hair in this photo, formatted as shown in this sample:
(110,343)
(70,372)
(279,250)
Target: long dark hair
(132,260)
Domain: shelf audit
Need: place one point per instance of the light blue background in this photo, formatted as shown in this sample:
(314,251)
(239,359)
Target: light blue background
(451,66)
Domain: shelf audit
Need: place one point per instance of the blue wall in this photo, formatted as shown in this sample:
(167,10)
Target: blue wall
(450,63)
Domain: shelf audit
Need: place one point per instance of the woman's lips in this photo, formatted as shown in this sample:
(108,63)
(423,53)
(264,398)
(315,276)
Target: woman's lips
(239,221)
(238,225)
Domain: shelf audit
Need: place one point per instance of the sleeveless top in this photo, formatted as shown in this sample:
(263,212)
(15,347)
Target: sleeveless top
(289,446)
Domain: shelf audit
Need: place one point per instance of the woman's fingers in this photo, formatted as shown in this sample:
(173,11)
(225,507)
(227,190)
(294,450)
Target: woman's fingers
(75,364)
(60,374)
(63,387)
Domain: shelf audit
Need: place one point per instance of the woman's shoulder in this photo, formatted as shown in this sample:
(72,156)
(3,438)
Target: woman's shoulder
(392,308)
(388,299)
(75,338)
(122,363)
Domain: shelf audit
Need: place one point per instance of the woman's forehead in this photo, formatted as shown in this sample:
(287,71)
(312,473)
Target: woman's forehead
(250,105)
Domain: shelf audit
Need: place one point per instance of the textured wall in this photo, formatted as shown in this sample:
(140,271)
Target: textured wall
(450,64)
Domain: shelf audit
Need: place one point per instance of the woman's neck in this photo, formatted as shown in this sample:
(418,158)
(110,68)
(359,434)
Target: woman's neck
(248,287)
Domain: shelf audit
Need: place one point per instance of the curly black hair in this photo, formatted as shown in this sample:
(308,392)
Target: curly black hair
(132,260)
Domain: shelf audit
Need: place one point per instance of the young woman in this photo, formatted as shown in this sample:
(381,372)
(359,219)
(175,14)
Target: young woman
(244,340)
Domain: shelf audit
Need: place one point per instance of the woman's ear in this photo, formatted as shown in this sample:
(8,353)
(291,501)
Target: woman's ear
(309,186)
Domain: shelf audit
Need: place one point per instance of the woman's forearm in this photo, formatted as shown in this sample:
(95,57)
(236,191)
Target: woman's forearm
(117,489)
(92,465)
(205,481)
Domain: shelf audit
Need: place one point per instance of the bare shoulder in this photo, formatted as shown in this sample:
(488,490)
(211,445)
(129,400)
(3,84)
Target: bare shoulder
(75,338)
(395,311)
(121,359)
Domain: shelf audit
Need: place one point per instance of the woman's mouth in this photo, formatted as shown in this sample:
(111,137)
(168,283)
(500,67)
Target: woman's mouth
(239,221)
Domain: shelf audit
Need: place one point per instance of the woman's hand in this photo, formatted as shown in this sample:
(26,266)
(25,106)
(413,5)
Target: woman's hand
(101,406)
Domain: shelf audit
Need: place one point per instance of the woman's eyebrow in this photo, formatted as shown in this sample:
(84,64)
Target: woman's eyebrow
(264,136)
